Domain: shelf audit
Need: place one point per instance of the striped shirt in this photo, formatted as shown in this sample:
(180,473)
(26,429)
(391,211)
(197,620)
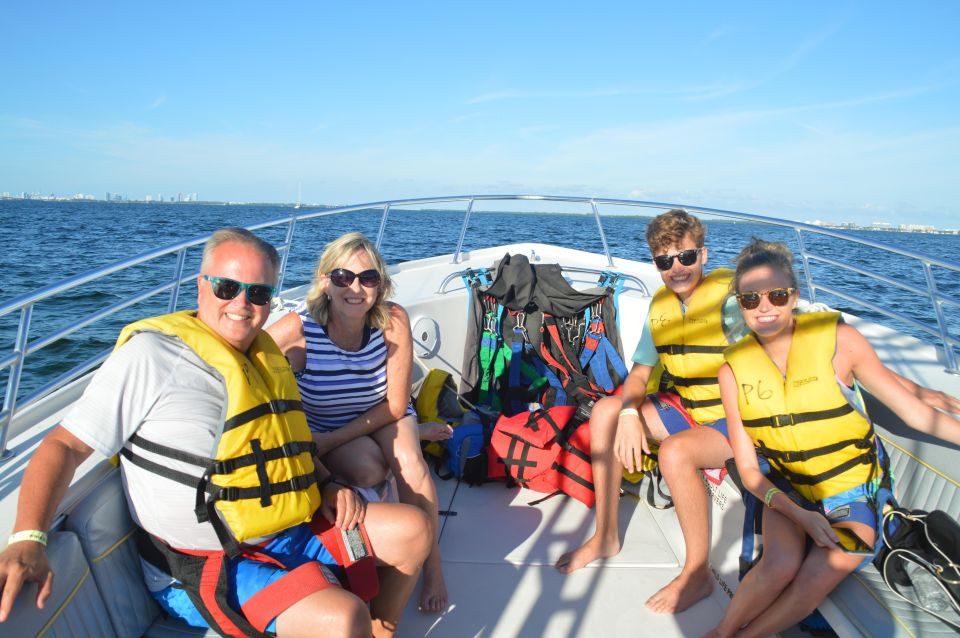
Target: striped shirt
(338,385)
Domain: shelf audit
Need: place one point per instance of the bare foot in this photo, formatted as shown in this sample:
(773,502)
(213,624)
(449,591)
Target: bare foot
(681,592)
(433,431)
(587,553)
(433,591)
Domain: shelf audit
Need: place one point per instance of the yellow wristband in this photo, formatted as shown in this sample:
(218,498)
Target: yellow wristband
(34,535)
(630,411)
(768,497)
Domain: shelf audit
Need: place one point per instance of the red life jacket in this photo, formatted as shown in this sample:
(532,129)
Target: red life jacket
(547,451)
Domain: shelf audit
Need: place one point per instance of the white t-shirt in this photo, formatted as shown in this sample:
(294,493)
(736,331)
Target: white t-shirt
(158,387)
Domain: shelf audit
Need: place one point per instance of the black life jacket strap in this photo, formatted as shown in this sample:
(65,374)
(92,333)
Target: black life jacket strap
(795,456)
(691,404)
(692,381)
(684,348)
(170,452)
(277,406)
(782,420)
(572,476)
(225,466)
(518,460)
(867,458)
(162,470)
(259,456)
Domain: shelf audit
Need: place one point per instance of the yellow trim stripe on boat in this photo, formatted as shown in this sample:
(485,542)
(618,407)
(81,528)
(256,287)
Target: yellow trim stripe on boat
(919,461)
(120,542)
(66,602)
(883,604)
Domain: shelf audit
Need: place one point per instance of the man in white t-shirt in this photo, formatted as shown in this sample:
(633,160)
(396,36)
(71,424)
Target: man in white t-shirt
(154,391)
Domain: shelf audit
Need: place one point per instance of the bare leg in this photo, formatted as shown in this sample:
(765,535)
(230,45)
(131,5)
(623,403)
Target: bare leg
(681,457)
(400,535)
(783,555)
(400,443)
(359,462)
(821,572)
(607,474)
(340,613)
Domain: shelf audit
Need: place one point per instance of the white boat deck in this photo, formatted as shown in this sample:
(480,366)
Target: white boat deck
(498,555)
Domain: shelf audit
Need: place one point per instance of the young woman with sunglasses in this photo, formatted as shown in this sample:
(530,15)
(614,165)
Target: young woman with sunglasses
(352,352)
(793,383)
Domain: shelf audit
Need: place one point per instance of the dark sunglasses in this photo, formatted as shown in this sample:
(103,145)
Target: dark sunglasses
(226,289)
(685,257)
(777,297)
(341,277)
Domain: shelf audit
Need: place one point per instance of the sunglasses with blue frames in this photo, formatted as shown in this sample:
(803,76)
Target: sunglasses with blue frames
(226,289)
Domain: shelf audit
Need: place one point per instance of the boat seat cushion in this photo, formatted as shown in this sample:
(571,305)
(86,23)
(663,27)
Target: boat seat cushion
(102,523)
(75,609)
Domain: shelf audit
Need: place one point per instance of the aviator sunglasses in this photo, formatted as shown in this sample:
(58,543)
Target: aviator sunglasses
(777,297)
(341,278)
(226,289)
(685,257)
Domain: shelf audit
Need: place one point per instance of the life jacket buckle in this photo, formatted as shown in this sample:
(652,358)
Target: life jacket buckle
(781,420)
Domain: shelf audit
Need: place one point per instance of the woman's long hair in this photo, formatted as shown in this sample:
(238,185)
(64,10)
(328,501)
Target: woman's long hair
(334,255)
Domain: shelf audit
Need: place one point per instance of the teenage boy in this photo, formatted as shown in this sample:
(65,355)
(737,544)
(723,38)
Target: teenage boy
(692,319)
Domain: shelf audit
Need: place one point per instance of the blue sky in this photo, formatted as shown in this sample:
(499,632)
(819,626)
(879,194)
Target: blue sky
(814,110)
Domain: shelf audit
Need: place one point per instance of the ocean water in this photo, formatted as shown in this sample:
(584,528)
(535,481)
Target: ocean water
(45,242)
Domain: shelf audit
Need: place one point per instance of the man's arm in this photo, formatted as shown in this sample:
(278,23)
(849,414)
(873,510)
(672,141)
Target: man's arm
(630,441)
(44,483)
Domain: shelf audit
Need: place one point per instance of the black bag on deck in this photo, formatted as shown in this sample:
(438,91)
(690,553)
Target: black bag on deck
(920,561)
(542,310)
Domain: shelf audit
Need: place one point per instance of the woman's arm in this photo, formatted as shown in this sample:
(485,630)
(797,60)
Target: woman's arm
(933,398)
(855,353)
(744,452)
(288,333)
(399,371)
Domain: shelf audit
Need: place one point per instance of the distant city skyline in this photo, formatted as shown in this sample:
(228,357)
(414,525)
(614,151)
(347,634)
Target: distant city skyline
(193,198)
(843,111)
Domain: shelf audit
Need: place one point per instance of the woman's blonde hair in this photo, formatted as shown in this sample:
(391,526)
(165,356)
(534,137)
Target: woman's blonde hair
(334,255)
(758,252)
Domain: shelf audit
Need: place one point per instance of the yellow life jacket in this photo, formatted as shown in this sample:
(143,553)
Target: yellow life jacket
(691,343)
(803,424)
(427,408)
(262,478)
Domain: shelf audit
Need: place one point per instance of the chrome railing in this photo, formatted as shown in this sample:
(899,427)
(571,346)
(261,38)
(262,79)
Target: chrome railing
(23,346)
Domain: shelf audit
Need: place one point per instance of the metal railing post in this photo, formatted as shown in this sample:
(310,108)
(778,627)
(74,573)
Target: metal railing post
(807,275)
(383,225)
(603,236)
(177,276)
(941,320)
(286,253)
(13,381)
(463,232)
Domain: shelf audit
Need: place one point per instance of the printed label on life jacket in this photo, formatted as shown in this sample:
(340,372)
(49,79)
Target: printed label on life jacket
(748,389)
